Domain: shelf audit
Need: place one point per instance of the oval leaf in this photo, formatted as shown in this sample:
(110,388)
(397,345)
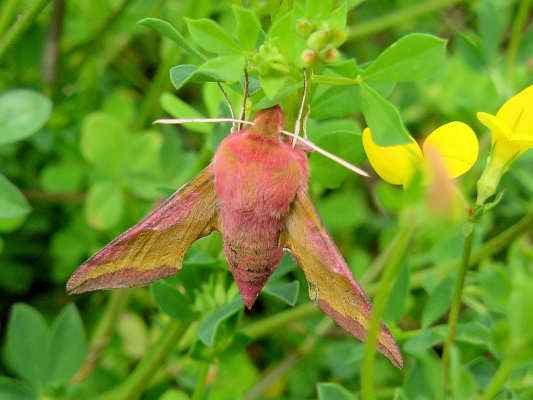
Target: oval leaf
(382,117)
(12,203)
(211,37)
(22,113)
(209,326)
(413,57)
(68,346)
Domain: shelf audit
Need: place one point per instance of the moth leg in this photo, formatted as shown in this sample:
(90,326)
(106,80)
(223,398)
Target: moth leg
(298,123)
(242,114)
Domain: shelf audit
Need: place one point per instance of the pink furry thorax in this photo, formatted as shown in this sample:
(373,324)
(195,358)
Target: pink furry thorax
(257,176)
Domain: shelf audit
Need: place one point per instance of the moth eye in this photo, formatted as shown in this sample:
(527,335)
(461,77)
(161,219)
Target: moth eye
(313,292)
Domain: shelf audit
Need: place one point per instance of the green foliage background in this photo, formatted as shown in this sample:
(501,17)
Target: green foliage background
(77,140)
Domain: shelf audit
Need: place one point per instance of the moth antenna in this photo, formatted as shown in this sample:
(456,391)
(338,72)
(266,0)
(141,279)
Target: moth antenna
(228,104)
(298,123)
(327,154)
(173,121)
(242,114)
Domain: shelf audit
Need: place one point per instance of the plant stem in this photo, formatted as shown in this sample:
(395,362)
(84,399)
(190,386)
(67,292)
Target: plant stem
(517,31)
(457,300)
(6,14)
(275,322)
(20,26)
(490,247)
(199,389)
(398,17)
(136,382)
(118,300)
(498,380)
(391,267)
(276,373)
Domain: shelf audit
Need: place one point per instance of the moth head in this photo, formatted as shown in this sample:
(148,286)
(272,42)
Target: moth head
(269,121)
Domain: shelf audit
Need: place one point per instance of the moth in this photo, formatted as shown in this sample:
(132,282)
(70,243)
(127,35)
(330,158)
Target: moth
(255,194)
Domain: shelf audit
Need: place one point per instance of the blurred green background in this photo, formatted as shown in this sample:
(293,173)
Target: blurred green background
(79,89)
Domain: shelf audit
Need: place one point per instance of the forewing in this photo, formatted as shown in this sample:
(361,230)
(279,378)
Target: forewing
(330,280)
(155,247)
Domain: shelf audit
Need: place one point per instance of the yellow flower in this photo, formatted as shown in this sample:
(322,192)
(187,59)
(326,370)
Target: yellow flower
(455,143)
(512,134)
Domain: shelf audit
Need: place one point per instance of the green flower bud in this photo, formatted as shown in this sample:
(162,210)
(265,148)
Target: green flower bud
(318,40)
(304,27)
(309,57)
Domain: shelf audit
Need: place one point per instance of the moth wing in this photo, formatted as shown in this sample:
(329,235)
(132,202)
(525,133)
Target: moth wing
(155,247)
(331,282)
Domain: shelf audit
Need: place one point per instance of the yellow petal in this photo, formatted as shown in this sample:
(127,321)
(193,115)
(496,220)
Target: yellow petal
(394,164)
(498,128)
(517,114)
(457,145)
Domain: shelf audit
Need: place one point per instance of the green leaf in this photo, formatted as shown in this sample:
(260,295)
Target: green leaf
(62,177)
(519,313)
(272,85)
(12,203)
(211,37)
(334,80)
(398,296)
(11,389)
(181,74)
(104,205)
(335,102)
(68,346)
(172,302)
(284,291)
(180,109)
(493,17)
(146,146)
(104,142)
(248,27)
(382,117)
(221,69)
(340,137)
(414,57)
(26,348)
(333,391)
(22,113)
(462,381)
(166,29)
(209,326)
(438,302)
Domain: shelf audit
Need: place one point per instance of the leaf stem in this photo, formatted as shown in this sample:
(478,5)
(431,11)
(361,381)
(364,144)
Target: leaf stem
(199,389)
(498,380)
(457,300)
(136,382)
(6,14)
(391,267)
(272,324)
(517,31)
(118,300)
(21,25)
(397,17)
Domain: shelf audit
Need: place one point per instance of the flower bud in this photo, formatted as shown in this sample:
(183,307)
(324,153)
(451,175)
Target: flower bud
(330,55)
(309,57)
(318,40)
(304,27)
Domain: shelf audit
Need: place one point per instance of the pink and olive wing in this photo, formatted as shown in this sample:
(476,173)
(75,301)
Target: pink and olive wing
(330,281)
(155,247)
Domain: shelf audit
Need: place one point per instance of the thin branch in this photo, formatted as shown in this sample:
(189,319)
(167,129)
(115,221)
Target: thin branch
(52,46)
(242,114)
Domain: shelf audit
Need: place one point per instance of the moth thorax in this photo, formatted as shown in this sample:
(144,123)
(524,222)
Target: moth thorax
(269,122)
